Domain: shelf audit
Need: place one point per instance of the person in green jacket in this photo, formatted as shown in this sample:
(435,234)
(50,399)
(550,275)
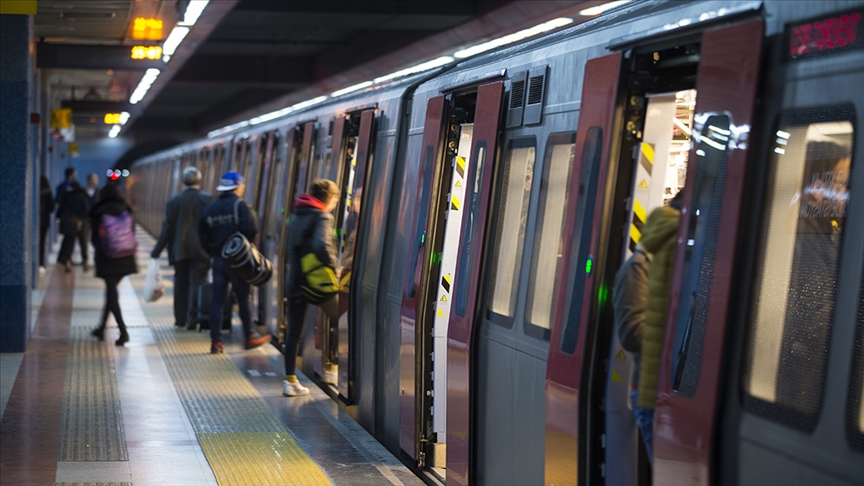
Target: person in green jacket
(658,238)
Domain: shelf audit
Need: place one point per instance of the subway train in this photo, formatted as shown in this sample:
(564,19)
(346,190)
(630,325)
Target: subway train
(487,205)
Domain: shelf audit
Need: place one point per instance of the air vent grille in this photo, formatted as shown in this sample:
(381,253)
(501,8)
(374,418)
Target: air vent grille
(535,90)
(517,94)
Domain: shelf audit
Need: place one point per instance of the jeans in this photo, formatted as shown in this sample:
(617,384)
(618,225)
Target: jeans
(645,421)
(222,275)
(188,276)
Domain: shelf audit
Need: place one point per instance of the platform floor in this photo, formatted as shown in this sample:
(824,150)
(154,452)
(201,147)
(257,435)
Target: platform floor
(161,410)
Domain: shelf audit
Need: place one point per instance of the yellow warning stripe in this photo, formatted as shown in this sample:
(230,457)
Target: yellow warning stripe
(639,211)
(648,152)
(635,234)
(461,161)
(455,201)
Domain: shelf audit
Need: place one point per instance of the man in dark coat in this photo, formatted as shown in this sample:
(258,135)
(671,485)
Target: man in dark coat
(219,221)
(310,230)
(72,213)
(180,234)
(46,207)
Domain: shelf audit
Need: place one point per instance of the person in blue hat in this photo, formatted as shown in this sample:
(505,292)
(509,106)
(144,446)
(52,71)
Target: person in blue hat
(222,218)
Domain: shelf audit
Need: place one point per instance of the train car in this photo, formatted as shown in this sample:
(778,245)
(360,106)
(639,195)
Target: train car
(487,206)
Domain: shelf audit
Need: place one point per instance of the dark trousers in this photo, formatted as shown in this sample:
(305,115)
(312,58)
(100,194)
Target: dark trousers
(68,245)
(297,307)
(188,276)
(43,234)
(112,304)
(222,276)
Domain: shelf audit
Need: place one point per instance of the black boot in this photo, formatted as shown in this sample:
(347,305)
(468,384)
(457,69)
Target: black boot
(123,339)
(98,333)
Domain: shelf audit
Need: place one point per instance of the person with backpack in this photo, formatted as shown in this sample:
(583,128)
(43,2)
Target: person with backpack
(310,237)
(221,219)
(113,236)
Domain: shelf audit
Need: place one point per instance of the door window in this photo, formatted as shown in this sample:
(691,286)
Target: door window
(548,242)
(796,280)
(471,228)
(510,230)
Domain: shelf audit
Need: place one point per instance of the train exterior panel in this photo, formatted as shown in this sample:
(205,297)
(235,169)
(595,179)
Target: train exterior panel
(487,205)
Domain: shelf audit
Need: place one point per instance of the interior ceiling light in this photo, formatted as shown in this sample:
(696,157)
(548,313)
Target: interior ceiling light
(174,39)
(193,11)
(144,85)
(599,9)
(419,68)
(364,84)
(514,37)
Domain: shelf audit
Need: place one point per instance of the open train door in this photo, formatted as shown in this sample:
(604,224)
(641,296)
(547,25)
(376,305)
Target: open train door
(573,299)
(466,282)
(690,368)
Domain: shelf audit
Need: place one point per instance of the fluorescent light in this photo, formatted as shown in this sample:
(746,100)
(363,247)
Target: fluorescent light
(144,85)
(782,134)
(599,9)
(115,130)
(284,111)
(216,133)
(165,59)
(174,39)
(364,84)
(124,117)
(193,11)
(419,68)
(514,37)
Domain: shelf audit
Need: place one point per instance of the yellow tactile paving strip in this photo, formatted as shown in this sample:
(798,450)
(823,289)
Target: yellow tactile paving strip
(244,442)
(92,426)
(92,484)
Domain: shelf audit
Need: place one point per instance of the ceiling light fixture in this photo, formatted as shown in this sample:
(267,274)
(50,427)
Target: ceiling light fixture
(193,11)
(599,9)
(144,85)
(174,39)
(514,37)
(115,130)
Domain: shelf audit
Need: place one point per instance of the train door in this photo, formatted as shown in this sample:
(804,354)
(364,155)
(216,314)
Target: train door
(265,155)
(794,410)
(299,155)
(349,162)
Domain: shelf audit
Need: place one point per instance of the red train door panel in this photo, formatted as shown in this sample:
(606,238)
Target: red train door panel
(467,280)
(411,288)
(581,236)
(685,410)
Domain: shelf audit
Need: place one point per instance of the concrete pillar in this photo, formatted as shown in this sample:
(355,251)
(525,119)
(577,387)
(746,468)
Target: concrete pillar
(16,77)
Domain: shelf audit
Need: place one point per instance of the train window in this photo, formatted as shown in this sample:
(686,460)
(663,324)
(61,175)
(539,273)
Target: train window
(468,249)
(548,244)
(699,253)
(796,286)
(855,409)
(509,241)
(583,225)
(422,214)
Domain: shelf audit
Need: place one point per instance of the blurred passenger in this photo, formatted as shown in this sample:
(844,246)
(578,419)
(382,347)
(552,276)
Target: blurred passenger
(310,230)
(92,187)
(112,270)
(46,207)
(72,212)
(227,215)
(658,238)
(185,253)
(71,175)
(630,297)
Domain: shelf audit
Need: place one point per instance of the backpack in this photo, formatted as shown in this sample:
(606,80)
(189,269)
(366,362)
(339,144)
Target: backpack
(117,235)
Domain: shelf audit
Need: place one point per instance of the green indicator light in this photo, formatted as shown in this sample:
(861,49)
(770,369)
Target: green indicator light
(603,295)
(588,264)
(423,238)
(282,210)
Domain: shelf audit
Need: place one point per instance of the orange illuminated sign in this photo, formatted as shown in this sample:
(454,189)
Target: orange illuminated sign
(147,52)
(143,28)
(112,118)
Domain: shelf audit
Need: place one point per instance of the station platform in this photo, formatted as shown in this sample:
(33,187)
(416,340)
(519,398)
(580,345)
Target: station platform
(162,410)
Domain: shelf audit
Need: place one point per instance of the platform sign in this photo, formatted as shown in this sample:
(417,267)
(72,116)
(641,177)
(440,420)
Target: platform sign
(60,117)
(19,7)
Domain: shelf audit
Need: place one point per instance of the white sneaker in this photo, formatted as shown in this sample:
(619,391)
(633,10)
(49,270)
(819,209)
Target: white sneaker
(293,389)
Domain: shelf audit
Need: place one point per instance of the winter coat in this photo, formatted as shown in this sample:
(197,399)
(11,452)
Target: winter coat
(46,204)
(105,266)
(73,210)
(180,227)
(658,237)
(310,229)
(218,222)
(630,297)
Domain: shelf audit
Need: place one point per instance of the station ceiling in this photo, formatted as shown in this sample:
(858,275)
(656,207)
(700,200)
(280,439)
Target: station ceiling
(246,55)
